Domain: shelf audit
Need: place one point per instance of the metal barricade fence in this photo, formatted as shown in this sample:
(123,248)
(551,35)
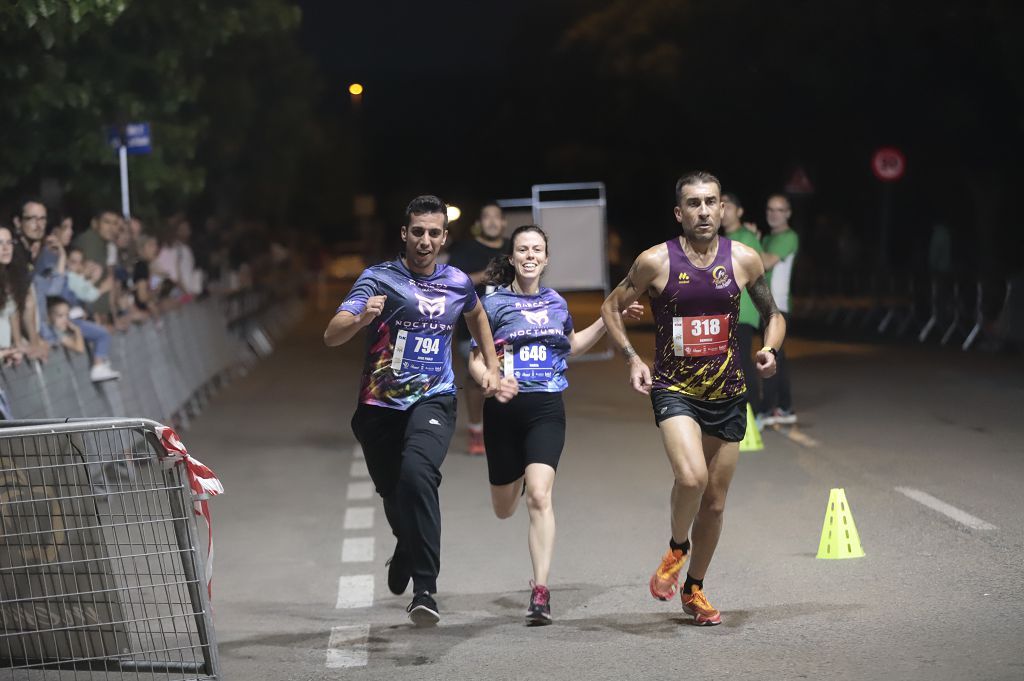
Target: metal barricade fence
(101,573)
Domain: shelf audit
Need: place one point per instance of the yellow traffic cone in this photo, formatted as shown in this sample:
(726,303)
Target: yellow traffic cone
(839,538)
(752,440)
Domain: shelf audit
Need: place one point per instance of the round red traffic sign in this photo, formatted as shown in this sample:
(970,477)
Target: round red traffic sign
(888,164)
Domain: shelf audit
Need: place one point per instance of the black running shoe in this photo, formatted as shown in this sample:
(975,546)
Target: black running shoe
(423,610)
(399,572)
(540,605)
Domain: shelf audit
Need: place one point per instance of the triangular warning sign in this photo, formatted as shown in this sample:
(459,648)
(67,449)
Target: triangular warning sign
(799,183)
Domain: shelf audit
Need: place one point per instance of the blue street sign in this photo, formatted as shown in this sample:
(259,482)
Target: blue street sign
(136,138)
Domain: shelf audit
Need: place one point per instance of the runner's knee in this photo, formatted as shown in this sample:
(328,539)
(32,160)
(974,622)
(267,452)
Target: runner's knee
(692,479)
(538,499)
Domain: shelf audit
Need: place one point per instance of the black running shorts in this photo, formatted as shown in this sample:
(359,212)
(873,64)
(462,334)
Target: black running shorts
(724,419)
(529,428)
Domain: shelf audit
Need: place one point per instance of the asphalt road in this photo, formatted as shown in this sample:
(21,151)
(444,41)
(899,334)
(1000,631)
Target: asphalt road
(932,599)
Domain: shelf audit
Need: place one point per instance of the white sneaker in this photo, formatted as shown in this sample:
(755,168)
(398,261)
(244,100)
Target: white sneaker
(102,372)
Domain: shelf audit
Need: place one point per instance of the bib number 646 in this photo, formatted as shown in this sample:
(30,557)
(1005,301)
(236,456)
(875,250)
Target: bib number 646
(533,353)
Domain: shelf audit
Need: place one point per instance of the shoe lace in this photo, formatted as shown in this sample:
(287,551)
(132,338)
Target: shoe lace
(671,562)
(418,599)
(541,595)
(699,599)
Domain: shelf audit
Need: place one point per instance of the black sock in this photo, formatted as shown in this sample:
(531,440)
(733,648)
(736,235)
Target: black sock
(690,583)
(685,546)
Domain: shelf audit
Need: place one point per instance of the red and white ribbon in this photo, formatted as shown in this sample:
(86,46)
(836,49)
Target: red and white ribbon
(203,481)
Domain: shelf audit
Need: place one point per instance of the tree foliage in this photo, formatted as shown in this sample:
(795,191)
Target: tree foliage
(214,79)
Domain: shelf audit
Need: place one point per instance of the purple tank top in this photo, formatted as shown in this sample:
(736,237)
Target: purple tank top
(695,319)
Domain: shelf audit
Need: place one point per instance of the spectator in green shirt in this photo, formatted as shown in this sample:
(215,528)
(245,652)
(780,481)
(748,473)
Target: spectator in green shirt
(96,244)
(780,247)
(750,320)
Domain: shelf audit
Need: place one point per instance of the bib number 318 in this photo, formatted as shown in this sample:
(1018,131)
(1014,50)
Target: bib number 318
(700,336)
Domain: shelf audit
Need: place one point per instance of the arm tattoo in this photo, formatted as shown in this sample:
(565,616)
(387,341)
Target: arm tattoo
(629,352)
(628,283)
(761,295)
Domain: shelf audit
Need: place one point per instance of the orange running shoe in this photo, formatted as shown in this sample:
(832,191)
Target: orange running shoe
(696,604)
(665,580)
(476,443)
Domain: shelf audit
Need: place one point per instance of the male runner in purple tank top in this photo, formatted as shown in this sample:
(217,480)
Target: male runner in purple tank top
(697,389)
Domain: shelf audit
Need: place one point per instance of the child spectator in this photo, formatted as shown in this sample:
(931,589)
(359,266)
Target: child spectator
(70,334)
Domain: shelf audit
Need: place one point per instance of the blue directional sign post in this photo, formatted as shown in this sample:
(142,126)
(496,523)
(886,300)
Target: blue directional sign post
(133,139)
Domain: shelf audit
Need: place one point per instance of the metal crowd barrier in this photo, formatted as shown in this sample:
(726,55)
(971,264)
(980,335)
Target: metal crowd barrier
(169,367)
(951,310)
(101,567)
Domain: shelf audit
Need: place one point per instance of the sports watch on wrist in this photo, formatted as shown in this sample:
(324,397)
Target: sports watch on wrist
(770,349)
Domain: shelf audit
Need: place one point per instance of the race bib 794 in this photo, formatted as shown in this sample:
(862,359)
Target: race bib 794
(419,353)
(700,336)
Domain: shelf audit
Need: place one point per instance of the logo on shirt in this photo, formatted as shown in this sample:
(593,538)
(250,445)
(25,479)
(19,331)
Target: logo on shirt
(431,307)
(538,318)
(684,278)
(720,277)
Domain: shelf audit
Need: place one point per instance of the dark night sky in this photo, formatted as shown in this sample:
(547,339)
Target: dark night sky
(478,100)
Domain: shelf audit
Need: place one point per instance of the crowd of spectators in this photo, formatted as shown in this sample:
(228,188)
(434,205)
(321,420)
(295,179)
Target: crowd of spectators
(63,287)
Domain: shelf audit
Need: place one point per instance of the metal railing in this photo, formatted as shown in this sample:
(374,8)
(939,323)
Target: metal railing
(101,573)
(169,366)
(951,310)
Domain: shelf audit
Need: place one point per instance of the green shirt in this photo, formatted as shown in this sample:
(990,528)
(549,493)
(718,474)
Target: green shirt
(783,245)
(748,313)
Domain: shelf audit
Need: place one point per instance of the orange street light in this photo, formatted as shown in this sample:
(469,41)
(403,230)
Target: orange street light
(355,89)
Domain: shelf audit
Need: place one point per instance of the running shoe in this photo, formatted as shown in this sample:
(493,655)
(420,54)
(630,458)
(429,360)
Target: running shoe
(784,417)
(476,443)
(423,610)
(696,604)
(765,419)
(399,572)
(540,605)
(665,580)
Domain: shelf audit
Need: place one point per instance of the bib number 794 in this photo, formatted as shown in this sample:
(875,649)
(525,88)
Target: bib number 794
(427,345)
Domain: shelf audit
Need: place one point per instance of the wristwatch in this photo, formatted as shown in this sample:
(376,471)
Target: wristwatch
(770,349)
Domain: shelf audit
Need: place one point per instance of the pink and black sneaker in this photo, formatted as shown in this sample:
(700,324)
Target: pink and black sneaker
(540,605)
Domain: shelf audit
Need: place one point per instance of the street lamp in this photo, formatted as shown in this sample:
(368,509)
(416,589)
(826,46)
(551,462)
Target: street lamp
(454,213)
(355,89)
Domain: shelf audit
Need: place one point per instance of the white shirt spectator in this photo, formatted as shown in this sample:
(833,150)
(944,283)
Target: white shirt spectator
(180,264)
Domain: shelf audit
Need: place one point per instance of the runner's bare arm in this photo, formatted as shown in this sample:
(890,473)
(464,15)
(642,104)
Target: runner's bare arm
(476,320)
(344,325)
(761,295)
(583,340)
(639,279)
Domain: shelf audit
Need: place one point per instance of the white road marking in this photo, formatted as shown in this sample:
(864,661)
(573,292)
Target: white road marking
(355,591)
(357,451)
(359,518)
(962,517)
(357,550)
(359,490)
(358,470)
(348,646)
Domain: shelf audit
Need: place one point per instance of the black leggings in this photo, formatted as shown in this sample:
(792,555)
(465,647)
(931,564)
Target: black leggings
(529,428)
(404,451)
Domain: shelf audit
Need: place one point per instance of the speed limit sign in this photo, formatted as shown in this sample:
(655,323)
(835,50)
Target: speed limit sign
(888,164)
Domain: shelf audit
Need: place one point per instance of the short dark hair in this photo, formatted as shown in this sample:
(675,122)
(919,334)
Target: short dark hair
(695,177)
(54,301)
(25,200)
(427,203)
(732,198)
(488,204)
